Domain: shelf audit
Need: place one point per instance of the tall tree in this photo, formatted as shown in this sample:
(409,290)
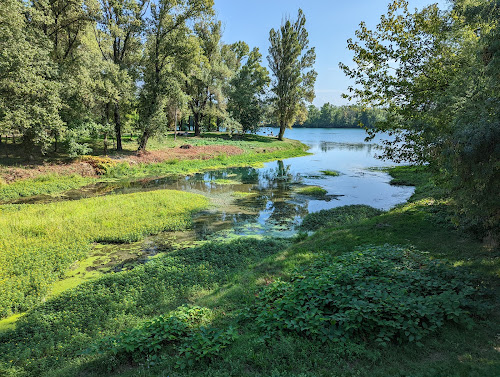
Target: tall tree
(205,84)
(437,74)
(29,92)
(247,91)
(291,61)
(170,50)
(117,33)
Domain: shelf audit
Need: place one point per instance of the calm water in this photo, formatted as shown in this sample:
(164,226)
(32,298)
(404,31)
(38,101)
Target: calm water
(275,207)
(272,205)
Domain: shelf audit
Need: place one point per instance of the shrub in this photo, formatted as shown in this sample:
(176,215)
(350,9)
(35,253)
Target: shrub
(182,331)
(337,217)
(382,293)
(100,164)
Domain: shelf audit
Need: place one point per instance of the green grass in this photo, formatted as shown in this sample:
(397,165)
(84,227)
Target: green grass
(335,217)
(332,173)
(256,151)
(47,184)
(39,242)
(223,181)
(50,340)
(315,191)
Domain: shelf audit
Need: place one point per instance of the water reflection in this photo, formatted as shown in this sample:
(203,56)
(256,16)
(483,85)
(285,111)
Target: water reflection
(264,201)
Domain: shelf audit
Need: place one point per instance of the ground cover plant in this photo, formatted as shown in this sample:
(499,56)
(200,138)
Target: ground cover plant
(339,216)
(39,242)
(226,277)
(380,293)
(46,184)
(332,173)
(59,332)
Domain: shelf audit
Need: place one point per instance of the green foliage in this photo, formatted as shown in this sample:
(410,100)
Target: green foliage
(29,100)
(336,217)
(39,242)
(43,185)
(248,87)
(331,116)
(183,331)
(206,343)
(382,293)
(116,303)
(436,73)
(170,54)
(313,191)
(332,173)
(291,61)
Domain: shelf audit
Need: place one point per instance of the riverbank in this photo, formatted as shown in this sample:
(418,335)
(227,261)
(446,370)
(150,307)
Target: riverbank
(186,155)
(64,336)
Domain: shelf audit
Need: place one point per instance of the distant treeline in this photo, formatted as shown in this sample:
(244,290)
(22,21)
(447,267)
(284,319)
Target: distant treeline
(331,116)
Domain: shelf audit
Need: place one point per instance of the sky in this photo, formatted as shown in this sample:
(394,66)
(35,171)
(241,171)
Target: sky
(329,23)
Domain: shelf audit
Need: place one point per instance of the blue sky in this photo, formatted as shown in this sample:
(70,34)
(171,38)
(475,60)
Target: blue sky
(329,23)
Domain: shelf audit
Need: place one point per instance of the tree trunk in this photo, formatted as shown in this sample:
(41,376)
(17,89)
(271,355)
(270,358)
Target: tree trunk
(144,141)
(105,144)
(118,128)
(282,132)
(197,125)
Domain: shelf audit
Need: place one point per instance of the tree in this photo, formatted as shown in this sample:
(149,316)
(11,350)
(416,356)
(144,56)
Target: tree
(291,61)
(437,74)
(168,56)
(117,33)
(29,92)
(205,85)
(247,90)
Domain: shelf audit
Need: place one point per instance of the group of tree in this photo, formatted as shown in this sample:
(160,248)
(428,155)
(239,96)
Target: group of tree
(437,75)
(71,70)
(331,116)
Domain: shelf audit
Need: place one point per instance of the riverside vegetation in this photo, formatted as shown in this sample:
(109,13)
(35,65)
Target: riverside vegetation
(253,151)
(355,298)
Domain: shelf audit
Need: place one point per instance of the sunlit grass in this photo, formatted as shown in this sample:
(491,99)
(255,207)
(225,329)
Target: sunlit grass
(39,242)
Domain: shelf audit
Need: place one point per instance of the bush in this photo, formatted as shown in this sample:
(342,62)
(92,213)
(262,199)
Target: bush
(337,217)
(182,331)
(382,293)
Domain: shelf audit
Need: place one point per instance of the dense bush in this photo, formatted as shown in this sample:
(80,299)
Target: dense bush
(337,217)
(383,294)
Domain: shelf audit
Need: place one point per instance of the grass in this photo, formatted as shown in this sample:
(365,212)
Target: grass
(256,151)
(223,181)
(332,173)
(39,242)
(339,216)
(225,277)
(314,191)
(47,184)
